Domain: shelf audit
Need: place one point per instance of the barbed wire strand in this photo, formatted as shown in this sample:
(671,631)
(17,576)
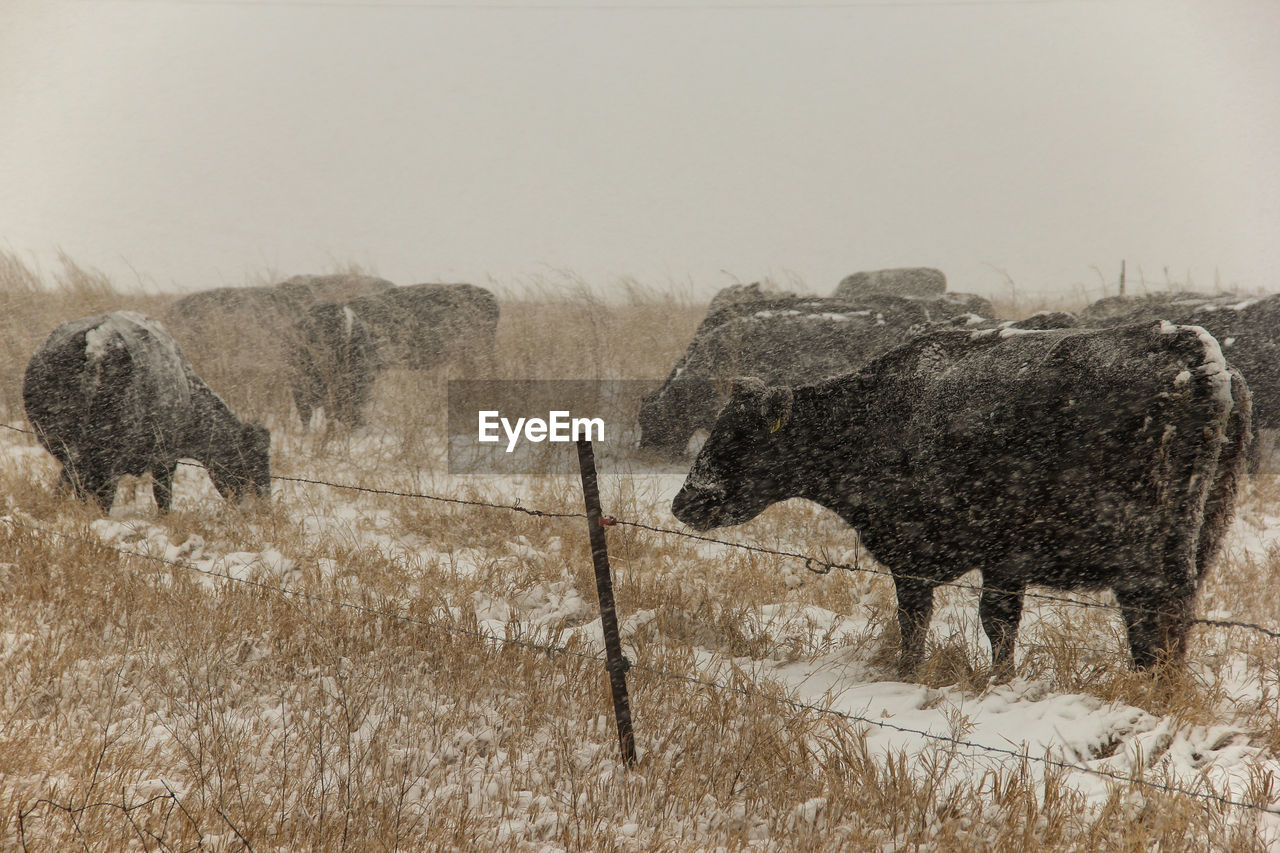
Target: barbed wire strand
(658,672)
(816,565)
(829,565)
(813,564)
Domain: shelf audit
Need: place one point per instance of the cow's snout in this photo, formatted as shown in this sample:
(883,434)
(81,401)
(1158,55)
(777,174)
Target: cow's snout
(699,507)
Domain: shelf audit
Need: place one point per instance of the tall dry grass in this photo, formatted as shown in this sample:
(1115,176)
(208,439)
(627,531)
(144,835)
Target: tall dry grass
(32,304)
(148,707)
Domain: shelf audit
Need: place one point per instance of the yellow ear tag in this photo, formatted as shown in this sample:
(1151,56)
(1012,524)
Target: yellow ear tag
(776,426)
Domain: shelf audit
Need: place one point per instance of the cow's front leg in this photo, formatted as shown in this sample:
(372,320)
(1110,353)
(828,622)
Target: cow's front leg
(915,608)
(1001,611)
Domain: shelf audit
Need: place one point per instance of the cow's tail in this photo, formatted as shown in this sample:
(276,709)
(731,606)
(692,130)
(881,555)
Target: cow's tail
(1232,465)
(1200,452)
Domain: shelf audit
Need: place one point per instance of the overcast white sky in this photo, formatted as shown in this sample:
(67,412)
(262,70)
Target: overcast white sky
(197,142)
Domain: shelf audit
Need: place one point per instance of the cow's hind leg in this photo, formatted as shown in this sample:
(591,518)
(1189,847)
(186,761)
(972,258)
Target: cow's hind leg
(1157,625)
(915,609)
(1000,611)
(69,482)
(303,400)
(162,484)
(101,486)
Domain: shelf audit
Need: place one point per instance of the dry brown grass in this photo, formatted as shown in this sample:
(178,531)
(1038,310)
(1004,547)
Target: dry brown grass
(32,304)
(146,706)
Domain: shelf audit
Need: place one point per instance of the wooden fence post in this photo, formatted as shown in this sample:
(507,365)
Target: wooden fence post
(616,664)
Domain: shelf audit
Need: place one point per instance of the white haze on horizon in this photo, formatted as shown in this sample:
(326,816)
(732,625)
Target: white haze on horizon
(195,144)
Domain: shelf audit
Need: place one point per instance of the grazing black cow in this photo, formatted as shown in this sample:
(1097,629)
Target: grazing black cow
(1071,459)
(729,303)
(308,290)
(743,300)
(113,394)
(792,341)
(737,294)
(422,327)
(1043,320)
(333,361)
(1039,322)
(1163,305)
(918,282)
(425,325)
(957,304)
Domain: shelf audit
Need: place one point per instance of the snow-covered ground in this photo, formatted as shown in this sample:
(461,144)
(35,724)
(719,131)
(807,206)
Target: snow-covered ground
(1088,743)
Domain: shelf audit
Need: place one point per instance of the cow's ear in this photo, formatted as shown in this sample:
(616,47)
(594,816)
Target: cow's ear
(775,405)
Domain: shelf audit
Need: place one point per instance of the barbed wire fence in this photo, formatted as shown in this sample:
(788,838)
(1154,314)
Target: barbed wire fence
(549,649)
(811,563)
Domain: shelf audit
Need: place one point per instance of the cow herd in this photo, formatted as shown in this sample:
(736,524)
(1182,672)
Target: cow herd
(114,394)
(1102,450)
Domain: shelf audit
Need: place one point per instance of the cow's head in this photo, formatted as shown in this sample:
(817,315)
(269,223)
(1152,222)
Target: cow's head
(244,468)
(739,470)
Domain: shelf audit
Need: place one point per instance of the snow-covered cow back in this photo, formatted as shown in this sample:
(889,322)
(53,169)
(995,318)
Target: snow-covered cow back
(113,394)
(1248,328)
(782,340)
(1067,458)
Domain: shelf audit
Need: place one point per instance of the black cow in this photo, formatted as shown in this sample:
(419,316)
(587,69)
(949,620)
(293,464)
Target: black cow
(1162,305)
(333,361)
(738,294)
(308,290)
(1043,320)
(113,394)
(1039,321)
(792,340)
(1071,459)
(922,285)
(919,282)
(421,327)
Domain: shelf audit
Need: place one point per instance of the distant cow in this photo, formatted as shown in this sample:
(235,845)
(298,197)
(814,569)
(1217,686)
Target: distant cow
(274,309)
(241,337)
(739,294)
(421,327)
(1071,459)
(920,282)
(1163,305)
(1044,320)
(308,290)
(922,285)
(333,360)
(794,341)
(113,394)
(1039,321)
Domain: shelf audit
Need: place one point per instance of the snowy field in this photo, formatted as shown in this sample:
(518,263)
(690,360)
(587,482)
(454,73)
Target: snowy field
(347,669)
(344,669)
